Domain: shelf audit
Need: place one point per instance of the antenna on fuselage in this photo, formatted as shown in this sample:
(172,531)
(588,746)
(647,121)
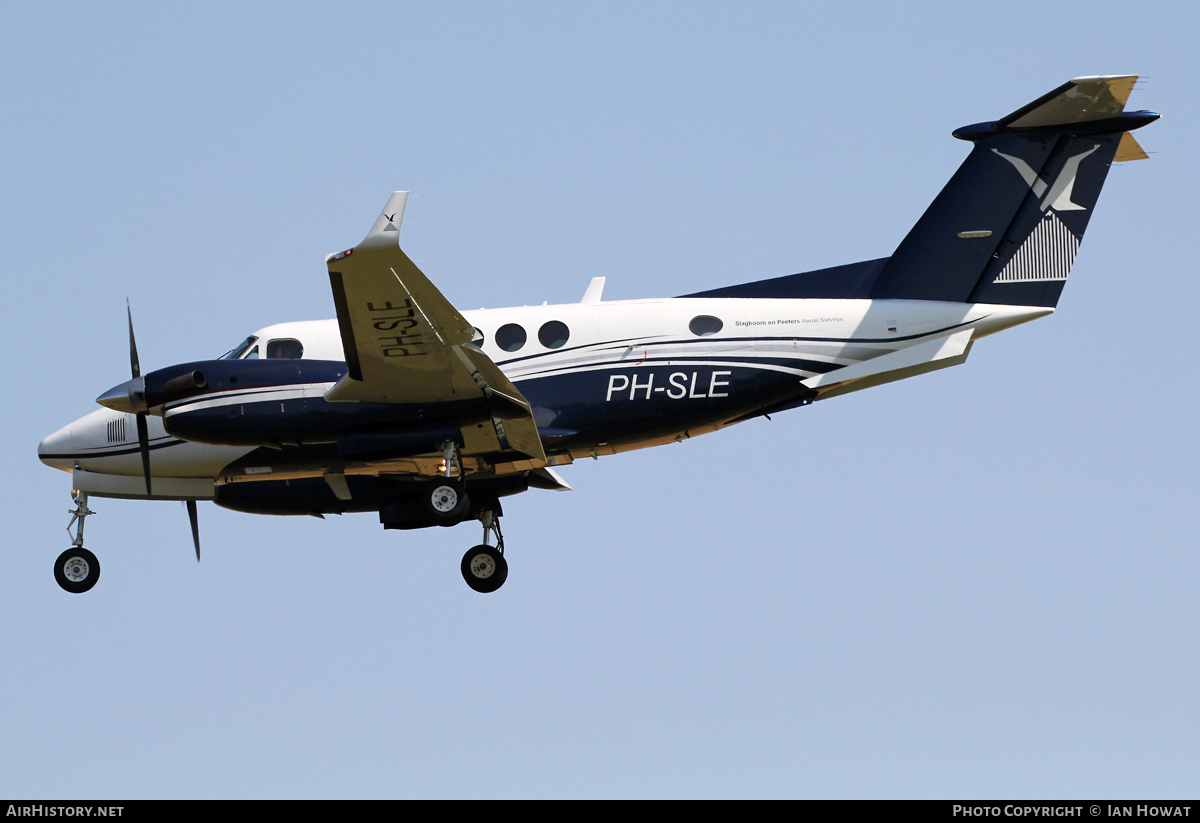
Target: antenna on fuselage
(594,290)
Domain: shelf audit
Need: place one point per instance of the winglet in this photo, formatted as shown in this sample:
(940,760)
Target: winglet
(387,226)
(386,231)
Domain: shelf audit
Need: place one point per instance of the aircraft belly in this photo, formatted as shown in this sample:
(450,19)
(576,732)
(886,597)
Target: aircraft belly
(169,457)
(133,487)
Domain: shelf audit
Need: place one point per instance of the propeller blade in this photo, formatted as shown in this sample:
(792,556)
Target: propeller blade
(191,509)
(144,447)
(142,429)
(133,356)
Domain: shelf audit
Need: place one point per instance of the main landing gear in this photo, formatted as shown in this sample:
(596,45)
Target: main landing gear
(484,567)
(77,569)
(446,498)
(446,501)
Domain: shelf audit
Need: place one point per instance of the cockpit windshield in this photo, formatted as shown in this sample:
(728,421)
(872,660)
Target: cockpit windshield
(240,349)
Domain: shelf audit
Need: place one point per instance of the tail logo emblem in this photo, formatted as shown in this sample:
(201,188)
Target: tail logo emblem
(1056,195)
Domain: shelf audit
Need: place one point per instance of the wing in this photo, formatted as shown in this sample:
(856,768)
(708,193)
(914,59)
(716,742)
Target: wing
(406,343)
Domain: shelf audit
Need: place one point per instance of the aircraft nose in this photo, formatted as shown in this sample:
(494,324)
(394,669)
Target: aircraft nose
(55,450)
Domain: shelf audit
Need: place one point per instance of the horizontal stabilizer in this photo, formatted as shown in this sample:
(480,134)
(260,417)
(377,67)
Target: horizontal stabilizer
(1081,100)
(938,353)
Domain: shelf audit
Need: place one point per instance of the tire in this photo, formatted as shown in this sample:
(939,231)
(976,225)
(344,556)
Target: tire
(484,568)
(446,501)
(77,570)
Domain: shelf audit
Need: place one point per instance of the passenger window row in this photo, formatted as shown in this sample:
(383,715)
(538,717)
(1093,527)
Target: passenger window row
(554,333)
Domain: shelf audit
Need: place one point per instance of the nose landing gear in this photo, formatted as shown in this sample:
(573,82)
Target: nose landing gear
(77,569)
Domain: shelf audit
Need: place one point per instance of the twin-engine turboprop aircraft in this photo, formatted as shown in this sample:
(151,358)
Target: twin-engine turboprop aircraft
(429,416)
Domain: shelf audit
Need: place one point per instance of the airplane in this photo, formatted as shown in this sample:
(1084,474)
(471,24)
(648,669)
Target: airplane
(429,416)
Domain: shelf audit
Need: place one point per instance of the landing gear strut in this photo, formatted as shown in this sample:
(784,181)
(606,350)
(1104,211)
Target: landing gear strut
(446,499)
(484,567)
(77,569)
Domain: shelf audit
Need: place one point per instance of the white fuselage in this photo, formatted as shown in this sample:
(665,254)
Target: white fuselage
(790,339)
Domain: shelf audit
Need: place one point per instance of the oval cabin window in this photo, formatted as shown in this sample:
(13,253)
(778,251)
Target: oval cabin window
(703,325)
(510,337)
(553,335)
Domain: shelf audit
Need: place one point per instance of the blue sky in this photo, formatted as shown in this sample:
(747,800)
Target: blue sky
(979,582)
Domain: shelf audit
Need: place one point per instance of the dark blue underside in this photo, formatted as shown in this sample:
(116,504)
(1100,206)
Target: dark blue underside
(613,406)
(625,405)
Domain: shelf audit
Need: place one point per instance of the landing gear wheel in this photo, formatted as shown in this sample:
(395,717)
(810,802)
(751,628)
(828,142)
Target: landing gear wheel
(77,570)
(484,568)
(446,501)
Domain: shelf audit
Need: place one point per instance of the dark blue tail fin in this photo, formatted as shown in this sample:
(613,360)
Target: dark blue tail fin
(1006,227)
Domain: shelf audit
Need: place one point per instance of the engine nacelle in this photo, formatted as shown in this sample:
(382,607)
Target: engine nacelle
(278,403)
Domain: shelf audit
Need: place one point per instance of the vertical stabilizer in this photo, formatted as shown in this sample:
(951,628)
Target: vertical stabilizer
(1006,228)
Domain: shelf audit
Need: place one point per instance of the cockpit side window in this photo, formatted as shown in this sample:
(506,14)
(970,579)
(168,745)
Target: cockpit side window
(240,349)
(285,349)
